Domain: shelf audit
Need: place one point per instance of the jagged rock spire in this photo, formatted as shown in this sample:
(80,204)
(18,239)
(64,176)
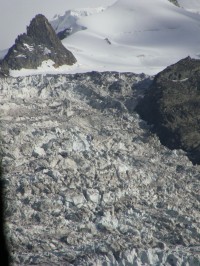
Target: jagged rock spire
(41,31)
(40,43)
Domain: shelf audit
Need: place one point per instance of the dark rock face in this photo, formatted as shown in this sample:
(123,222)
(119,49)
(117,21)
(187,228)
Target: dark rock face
(175,2)
(40,43)
(172,105)
(64,33)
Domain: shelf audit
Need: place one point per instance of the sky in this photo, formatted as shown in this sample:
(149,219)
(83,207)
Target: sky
(15,15)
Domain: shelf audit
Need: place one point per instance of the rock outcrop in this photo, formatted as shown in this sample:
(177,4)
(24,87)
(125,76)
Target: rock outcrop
(86,182)
(172,105)
(40,43)
(175,2)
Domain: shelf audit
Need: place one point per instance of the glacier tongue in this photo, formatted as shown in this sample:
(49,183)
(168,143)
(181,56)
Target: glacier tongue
(86,183)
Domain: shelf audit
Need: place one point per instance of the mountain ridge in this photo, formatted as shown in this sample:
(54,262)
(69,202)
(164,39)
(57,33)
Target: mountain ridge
(39,44)
(141,40)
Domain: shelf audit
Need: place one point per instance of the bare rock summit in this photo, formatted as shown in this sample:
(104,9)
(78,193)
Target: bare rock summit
(40,43)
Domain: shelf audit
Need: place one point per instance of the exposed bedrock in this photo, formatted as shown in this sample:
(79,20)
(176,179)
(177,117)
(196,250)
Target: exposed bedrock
(172,106)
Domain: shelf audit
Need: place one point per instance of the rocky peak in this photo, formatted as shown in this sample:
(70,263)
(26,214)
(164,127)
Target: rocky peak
(40,43)
(41,31)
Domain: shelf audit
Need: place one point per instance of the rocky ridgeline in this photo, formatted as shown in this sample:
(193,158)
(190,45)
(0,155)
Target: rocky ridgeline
(86,182)
(40,43)
(172,105)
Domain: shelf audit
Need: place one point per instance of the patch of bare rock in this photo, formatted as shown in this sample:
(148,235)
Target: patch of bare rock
(172,106)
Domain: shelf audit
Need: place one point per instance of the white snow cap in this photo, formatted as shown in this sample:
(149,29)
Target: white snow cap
(131,35)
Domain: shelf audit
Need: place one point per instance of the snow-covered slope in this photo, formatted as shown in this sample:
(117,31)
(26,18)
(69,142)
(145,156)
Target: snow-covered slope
(129,35)
(69,19)
(141,39)
(190,5)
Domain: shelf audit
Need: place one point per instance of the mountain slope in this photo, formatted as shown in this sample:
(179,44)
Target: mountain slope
(141,39)
(127,36)
(190,5)
(172,106)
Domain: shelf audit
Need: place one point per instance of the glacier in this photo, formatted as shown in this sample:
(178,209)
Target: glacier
(86,182)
